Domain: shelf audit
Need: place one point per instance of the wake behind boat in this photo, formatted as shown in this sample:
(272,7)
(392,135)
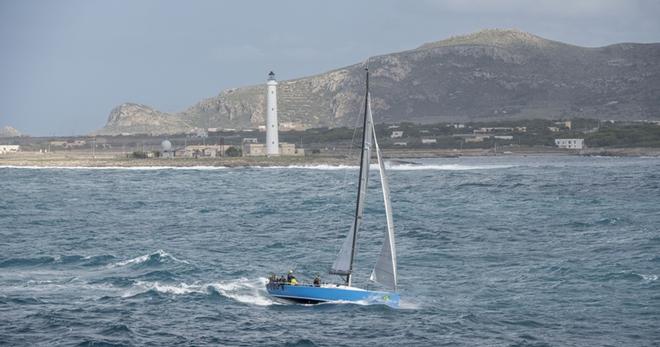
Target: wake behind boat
(384,272)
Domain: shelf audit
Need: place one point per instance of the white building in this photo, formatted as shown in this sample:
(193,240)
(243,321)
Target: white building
(9,149)
(209,151)
(272,136)
(396,134)
(570,143)
(253,149)
(475,139)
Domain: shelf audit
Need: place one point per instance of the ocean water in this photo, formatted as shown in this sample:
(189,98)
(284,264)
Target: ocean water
(502,251)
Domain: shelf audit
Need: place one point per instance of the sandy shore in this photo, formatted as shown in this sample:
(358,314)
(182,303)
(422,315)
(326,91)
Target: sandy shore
(109,159)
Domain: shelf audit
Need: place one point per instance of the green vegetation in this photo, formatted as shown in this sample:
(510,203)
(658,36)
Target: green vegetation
(637,135)
(531,132)
(233,152)
(139,155)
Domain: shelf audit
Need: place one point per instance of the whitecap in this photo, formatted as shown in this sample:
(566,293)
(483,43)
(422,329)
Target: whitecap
(245,290)
(143,258)
(649,278)
(309,167)
(180,289)
(446,167)
(392,167)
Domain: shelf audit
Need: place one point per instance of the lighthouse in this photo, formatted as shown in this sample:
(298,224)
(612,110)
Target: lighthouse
(272,137)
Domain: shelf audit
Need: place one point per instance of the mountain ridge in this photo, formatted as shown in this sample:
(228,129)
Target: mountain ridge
(494,74)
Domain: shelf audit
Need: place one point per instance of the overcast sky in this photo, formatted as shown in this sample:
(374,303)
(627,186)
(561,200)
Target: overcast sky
(65,64)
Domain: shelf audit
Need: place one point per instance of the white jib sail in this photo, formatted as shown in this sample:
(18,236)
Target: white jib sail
(385,270)
(342,265)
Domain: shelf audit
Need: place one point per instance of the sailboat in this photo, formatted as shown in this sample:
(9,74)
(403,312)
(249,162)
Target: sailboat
(384,272)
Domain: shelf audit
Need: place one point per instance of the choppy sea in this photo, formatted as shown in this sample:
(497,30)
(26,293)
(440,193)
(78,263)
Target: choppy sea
(497,251)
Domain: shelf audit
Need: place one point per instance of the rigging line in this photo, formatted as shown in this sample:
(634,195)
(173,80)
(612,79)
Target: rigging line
(350,148)
(356,122)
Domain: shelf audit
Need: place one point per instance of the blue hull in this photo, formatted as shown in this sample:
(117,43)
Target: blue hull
(308,294)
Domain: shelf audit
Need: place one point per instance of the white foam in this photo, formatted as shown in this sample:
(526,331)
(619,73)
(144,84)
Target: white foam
(649,278)
(248,291)
(395,167)
(180,289)
(141,259)
(310,167)
(245,290)
(446,167)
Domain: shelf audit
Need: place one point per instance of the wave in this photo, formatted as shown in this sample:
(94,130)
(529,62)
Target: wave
(16,262)
(56,260)
(141,287)
(390,167)
(309,167)
(323,167)
(647,277)
(158,256)
(447,167)
(247,291)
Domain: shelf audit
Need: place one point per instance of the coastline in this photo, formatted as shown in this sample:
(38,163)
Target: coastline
(112,159)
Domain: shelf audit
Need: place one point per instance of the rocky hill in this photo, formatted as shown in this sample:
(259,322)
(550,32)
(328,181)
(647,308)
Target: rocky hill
(489,75)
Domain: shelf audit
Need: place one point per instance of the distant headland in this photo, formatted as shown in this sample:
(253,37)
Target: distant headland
(491,75)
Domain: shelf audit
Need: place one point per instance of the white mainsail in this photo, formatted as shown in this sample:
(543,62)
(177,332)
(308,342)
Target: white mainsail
(385,270)
(343,264)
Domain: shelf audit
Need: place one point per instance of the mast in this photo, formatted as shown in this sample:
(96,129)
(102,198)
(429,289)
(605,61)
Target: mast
(358,210)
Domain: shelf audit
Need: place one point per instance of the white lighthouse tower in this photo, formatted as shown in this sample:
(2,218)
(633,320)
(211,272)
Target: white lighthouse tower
(272,137)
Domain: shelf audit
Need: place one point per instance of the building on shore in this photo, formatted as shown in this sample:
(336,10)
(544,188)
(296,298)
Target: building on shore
(472,138)
(493,130)
(9,149)
(396,134)
(570,143)
(475,139)
(206,151)
(254,149)
(565,124)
